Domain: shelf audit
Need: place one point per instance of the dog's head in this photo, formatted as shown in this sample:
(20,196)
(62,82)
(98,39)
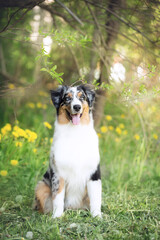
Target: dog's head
(73,104)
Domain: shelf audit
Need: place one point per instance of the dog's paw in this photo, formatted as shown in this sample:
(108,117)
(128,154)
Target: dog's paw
(96,213)
(57,213)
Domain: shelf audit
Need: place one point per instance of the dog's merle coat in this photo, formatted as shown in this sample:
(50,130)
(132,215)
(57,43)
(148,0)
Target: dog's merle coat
(73,178)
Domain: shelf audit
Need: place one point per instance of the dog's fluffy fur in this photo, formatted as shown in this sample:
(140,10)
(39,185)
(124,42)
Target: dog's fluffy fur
(73,179)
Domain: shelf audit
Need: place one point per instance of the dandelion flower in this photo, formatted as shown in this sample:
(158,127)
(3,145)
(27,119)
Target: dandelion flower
(39,105)
(44,162)
(155,136)
(104,129)
(3,173)
(123,116)
(118,130)
(51,140)
(99,135)
(35,150)
(44,106)
(31,105)
(18,144)
(111,128)
(121,125)
(14,162)
(7,128)
(11,86)
(47,125)
(108,117)
(117,139)
(125,132)
(137,137)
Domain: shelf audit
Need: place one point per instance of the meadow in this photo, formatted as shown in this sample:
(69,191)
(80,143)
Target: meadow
(129,140)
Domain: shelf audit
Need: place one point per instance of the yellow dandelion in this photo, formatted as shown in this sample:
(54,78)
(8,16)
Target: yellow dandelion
(121,125)
(14,162)
(104,129)
(43,94)
(153,108)
(3,173)
(31,105)
(137,137)
(155,136)
(117,139)
(35,150)
(108,117)
(18,144)
(47,125)
(118,130)
(7,128)
(51,140)
(44,162)
(123,116)
(39,105)
(11,86)
(99,135)
(111,128)
(15,134)
(31,136)
(125,132)
(44,106)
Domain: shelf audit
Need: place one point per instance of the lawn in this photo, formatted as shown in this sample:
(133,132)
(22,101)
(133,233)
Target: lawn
(129,139)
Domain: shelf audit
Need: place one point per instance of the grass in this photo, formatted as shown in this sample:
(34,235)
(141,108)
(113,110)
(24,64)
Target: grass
(130,168)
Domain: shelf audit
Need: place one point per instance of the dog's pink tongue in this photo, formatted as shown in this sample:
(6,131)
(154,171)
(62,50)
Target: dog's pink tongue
(76,119)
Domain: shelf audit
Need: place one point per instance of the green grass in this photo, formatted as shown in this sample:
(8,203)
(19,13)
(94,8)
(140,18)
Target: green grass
(130,177)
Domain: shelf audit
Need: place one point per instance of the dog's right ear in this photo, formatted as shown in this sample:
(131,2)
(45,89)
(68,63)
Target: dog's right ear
(57,95)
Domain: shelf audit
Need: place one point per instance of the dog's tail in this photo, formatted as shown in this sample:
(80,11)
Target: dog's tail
(43,198)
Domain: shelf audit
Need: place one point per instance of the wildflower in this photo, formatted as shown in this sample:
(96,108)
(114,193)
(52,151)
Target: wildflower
(51,140)
(14,162)
(153,109)
(39,105)
(31,105)
(111,128)
(121,125)
(7,128)
(117,139)
(104,129)
(125,132)
(123,116)
(44,106)
(35,150)
(47,125)
(137,137)
(29,235)
(3,173)
(108,118)
(15,134)
(43,94)
(155,136)
(19,132)
(11,86)
(31,136)
(118,130)
(44,162)
(99,135)
(18,144)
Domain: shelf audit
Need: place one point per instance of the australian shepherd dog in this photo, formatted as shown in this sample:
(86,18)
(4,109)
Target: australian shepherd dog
(73,179)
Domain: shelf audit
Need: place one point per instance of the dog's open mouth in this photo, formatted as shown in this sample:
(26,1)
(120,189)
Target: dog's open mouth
(75,118)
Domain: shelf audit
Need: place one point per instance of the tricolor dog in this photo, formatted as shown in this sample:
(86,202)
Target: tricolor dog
(73,179)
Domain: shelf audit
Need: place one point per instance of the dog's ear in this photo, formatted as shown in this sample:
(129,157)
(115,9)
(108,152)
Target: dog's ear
(89,93)
(57,95)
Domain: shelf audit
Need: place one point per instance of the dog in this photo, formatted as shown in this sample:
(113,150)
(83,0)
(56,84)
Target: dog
(73,179)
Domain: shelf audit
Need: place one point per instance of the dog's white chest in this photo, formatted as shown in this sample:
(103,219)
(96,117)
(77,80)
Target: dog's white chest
(76,157)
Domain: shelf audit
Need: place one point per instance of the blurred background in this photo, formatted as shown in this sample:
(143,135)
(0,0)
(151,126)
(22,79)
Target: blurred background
(112,45)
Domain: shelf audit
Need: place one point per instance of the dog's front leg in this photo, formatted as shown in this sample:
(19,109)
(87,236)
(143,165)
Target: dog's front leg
(94,188)
(58,199)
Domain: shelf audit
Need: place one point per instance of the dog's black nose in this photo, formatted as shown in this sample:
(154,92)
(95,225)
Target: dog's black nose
(77,107)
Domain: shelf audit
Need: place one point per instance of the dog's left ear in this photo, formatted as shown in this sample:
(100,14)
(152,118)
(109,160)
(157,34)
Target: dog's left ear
(57,95)
(90,94)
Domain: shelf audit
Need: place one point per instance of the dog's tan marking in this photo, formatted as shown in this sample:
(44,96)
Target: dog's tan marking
(61,185)
(42,192)
(62,116)
(85,119)
(70,95)
(79,94)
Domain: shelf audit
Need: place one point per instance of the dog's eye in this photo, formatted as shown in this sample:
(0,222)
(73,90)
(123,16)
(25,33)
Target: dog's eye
(82,97)
(67,99)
